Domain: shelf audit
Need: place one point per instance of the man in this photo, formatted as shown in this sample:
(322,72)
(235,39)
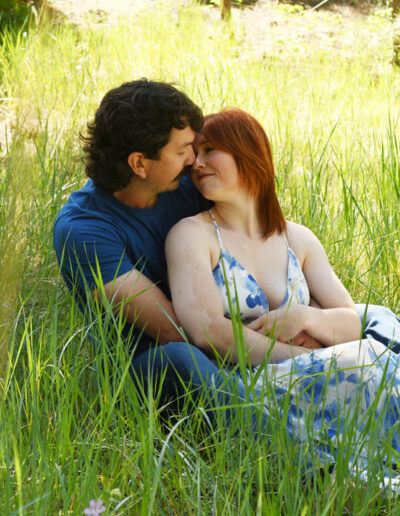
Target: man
(109,237)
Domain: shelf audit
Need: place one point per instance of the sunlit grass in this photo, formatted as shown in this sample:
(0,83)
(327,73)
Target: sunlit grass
(68,433)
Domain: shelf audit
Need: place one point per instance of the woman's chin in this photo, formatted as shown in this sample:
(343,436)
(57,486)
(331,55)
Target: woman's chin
(210,196)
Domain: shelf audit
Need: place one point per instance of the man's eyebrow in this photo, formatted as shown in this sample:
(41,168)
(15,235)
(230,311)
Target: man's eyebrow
(186,144)
(201,140)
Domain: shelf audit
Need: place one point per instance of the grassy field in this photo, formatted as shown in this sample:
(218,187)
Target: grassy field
(329,100)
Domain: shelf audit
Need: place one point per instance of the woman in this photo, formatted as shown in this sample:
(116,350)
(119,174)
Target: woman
(267,255)
(244,256)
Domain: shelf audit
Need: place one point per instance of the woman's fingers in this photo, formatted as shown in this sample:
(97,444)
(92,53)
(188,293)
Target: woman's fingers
(257,324)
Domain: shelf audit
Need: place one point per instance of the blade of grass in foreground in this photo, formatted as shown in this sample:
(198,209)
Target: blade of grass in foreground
(62,447)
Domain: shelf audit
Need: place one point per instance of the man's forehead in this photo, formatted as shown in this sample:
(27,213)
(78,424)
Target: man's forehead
(182,137)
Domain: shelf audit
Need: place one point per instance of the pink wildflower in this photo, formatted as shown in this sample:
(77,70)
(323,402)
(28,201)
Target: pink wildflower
(95,507)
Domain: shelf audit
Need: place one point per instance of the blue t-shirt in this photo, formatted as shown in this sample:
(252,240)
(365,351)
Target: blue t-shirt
(96,237)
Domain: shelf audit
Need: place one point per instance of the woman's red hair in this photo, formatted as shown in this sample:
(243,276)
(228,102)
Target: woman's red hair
(238,133)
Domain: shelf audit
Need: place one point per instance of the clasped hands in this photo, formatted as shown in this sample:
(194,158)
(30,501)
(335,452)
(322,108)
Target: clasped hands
(286,325)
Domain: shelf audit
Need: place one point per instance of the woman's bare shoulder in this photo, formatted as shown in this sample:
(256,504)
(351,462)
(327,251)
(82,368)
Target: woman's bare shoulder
(189,228)
(298,231)
(300,238)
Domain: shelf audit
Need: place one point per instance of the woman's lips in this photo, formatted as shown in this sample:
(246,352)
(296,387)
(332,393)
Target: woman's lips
(200,177)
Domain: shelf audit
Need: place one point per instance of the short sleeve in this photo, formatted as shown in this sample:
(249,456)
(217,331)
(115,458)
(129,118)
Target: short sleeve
(90,252)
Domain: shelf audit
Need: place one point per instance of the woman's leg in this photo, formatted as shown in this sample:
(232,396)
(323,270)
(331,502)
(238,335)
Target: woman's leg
(381,324)
(344,402)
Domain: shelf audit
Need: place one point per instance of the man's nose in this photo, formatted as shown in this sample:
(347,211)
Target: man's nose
(191,157)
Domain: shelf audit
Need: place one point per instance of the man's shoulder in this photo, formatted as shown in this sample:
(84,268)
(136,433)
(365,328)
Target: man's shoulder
(84,216)
(79,201)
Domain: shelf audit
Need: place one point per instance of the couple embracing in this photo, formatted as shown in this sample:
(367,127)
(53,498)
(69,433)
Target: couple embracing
(169,187)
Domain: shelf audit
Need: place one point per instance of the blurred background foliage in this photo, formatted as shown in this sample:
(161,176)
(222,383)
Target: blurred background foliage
(15,13)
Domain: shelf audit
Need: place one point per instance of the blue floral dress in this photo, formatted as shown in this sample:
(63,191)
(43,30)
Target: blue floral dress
(251,298)
(322,392)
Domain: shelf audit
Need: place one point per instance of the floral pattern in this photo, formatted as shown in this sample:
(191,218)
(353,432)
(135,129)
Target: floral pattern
(251,299)
(318,394)
(355,383)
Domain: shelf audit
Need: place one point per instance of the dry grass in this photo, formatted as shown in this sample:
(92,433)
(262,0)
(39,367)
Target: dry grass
(268,28)
(274,30)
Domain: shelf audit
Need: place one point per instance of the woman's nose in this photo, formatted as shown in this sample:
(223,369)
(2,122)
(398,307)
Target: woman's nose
(198,162)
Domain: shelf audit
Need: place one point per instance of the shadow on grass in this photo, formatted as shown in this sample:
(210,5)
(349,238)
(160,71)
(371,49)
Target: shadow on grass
(15,15)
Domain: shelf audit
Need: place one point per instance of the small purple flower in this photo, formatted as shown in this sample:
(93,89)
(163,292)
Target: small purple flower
(95,508)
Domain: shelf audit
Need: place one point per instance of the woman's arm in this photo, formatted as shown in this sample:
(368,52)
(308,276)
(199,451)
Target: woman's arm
(337,320)
(197,301)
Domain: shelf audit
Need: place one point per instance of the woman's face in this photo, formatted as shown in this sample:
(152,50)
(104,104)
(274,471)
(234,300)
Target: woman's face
(214,171)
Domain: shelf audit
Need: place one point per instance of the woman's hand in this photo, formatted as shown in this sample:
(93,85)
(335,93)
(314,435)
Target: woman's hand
(287,325)
(258,324)
(284,323)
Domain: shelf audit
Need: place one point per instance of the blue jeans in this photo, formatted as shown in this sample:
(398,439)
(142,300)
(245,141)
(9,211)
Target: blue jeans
(180,372)
(381,324)
(177,369)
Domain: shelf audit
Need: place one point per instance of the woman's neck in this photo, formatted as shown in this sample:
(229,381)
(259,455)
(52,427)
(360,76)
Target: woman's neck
(241,217)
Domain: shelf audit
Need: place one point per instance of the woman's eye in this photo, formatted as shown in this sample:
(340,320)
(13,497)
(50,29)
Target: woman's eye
(208,149)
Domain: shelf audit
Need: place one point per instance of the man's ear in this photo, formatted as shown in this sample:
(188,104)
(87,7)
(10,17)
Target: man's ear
(136,162)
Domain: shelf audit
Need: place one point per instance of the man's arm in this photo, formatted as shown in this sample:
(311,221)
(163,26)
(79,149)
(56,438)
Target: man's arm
(143,304)
(92,253)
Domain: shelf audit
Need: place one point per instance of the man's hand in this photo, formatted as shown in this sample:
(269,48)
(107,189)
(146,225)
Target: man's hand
(306,341)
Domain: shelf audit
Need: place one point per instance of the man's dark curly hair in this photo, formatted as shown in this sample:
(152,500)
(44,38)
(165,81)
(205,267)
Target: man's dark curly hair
(137,116)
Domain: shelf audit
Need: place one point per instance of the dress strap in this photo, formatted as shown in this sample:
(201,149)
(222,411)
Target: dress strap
(285,239)
(216,229)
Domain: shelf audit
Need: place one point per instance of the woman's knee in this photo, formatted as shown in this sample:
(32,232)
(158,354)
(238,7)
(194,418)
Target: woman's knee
(369,314)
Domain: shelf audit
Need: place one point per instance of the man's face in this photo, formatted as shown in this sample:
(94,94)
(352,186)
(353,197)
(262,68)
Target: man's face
(164,174)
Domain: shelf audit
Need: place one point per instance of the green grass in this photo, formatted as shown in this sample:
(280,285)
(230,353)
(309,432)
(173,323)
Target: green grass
(67,434)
